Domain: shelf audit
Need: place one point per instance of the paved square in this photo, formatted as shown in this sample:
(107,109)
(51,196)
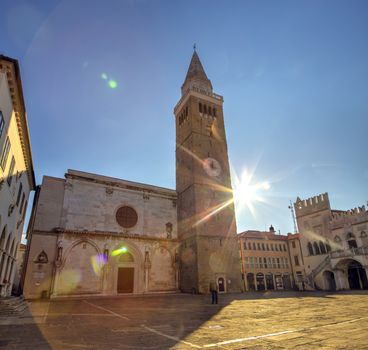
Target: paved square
(272,320)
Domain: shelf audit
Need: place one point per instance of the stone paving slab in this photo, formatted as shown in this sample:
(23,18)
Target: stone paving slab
(278,320)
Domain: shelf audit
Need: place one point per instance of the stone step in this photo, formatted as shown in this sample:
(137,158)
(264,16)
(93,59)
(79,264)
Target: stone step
(12,306)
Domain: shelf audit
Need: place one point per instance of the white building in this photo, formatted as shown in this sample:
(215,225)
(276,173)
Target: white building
(334,244)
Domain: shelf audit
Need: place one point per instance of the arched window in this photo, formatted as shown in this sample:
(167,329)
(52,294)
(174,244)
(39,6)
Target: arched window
(200,107)
(310,248)
(350,238)
(322,247)
(316,248)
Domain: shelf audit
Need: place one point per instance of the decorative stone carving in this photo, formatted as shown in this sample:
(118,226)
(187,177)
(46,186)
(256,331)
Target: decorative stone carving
(169,228)
(146,196)
(42,258)
(109,191)
(59,251)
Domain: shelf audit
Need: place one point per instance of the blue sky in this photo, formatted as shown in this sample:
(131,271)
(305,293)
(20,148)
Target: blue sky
(294,76)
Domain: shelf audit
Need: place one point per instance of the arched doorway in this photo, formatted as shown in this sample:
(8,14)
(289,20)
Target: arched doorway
(260,281)
(269,281)
(357,276)
(329,277)
(286,281)
(221,284)
(250,282)
(125,273)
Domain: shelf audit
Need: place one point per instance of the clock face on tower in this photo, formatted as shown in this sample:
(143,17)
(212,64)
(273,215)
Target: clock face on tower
(212,167)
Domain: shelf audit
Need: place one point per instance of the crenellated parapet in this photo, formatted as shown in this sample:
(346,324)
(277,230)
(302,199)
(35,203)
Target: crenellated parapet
(312,205)
(353,216)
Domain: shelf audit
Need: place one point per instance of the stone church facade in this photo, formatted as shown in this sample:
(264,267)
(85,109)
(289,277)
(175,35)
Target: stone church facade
(95,235)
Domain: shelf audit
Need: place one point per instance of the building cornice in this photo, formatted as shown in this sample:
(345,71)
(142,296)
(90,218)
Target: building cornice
(84,233)
(10,67)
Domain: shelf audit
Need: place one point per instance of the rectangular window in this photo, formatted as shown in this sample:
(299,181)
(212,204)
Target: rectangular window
(251,262)
(11,172)
(260,260)
(245,245)
(272,247)
(249,246)
(293,244)
(263,246)
(246,262)
(2,123)
(278,263)
(24,210)
(269,263)
(284,247)
(276,247)
(296,259)
(19,193)
(21,203)
(5,154)
(274,263)
(267,247)
(287,262)
(258,246)
(265,262)
(254,246)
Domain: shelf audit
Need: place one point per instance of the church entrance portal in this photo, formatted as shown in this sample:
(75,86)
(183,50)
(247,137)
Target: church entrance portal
(125,279)
(357,276)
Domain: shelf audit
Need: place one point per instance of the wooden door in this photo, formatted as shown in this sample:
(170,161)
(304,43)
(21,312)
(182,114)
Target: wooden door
(125,279)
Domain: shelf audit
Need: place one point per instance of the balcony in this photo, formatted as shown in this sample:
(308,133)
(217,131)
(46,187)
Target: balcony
(348,253)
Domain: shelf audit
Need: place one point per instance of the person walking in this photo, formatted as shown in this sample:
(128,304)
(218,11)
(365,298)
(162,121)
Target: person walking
(214,292)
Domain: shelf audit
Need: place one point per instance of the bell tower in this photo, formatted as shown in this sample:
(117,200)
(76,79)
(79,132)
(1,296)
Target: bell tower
(206,218)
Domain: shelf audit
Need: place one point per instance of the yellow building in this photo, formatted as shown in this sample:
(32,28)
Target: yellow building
(270,261)
(16,169)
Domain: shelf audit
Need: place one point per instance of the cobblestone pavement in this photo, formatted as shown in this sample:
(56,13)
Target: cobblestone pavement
(272,320)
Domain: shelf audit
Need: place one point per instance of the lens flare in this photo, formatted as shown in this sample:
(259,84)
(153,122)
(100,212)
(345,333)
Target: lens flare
(98,261)
(247,191)
(104,76)
(113,84)
(119,251)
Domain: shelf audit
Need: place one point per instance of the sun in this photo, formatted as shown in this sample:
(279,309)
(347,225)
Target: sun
(247,191)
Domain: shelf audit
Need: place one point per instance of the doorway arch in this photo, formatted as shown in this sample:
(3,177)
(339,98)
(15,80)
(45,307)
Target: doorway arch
(250,281)
(357,276)
(329,278)
(221,284)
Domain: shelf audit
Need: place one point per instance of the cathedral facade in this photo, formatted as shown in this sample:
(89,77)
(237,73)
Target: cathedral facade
(96,235)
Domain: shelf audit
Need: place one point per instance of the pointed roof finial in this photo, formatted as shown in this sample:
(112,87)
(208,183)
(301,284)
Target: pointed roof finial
(194,47)
(196,76)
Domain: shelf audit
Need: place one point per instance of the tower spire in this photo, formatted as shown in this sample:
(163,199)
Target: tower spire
(196,76)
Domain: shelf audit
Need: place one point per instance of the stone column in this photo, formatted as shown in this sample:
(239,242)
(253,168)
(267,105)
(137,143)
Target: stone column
(147,266)
(255,282)
(340,279)
(265,281)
